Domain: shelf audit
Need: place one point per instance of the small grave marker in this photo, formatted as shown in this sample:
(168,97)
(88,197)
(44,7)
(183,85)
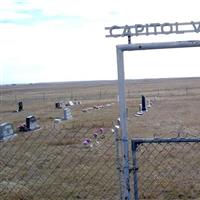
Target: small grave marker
(56,122)
(71,103)
(144,108)
(6,131)
(67,114)
(140,112)
(20,106)
(58,105)
(148,103)
(31,123)
(140,107)
(118,121)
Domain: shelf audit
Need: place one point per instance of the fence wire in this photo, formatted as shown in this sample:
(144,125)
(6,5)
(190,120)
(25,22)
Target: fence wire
(167,170)
(7,98)
(54,164)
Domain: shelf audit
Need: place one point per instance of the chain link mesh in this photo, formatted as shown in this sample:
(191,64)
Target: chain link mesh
(54,164)
(168,170)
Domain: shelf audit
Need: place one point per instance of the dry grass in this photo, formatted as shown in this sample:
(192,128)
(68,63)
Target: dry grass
(19,192)
(52,163)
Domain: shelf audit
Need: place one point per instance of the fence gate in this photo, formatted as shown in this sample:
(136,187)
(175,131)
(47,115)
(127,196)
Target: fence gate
(166,168)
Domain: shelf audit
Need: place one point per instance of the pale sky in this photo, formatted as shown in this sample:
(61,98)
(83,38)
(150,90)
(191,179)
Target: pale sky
(62,40)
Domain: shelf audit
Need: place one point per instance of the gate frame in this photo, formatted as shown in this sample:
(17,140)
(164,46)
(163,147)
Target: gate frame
(122,99)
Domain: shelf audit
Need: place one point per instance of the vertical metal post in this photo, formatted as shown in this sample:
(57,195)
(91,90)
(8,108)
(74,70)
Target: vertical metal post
(129,39)
(118,161)
(122,109)
(135,169)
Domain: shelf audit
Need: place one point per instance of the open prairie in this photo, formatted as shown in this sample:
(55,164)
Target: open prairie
(52,162)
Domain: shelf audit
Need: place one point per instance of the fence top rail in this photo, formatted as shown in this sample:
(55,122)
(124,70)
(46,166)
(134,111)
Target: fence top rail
(139,141)
(158,45)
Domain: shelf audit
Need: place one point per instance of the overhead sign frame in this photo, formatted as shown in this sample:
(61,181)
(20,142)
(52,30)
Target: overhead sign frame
(120,49)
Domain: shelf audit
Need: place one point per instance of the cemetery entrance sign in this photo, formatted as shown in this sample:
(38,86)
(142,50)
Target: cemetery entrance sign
(153,29)
(138,30)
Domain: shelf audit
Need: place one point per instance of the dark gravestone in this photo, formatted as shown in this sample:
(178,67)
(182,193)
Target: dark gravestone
(58,105)
(20,106)
(31,123)
(143,103)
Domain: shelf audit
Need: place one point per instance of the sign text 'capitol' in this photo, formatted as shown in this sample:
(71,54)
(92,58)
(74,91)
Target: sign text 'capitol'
(153,29)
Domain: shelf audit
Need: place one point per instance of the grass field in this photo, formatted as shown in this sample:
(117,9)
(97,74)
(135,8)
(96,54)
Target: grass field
(52,163)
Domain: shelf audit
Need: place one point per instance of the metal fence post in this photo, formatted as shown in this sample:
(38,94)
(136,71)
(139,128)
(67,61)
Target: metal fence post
(118,161)
(135,169)
(122,109)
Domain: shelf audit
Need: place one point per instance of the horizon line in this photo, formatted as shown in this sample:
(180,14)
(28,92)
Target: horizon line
(101,80)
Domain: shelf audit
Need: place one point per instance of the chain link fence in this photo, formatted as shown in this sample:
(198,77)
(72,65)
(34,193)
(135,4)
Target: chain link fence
(166,168)
(56,164)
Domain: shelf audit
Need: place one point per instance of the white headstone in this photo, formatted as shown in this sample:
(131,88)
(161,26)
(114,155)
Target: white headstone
(148,103)
(140,107)
(67,114)
(71,103)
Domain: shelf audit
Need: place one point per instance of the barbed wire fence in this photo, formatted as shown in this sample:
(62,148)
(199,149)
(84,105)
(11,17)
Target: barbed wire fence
(99,95)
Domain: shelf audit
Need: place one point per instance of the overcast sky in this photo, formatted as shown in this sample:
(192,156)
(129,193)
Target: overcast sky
(63,40)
